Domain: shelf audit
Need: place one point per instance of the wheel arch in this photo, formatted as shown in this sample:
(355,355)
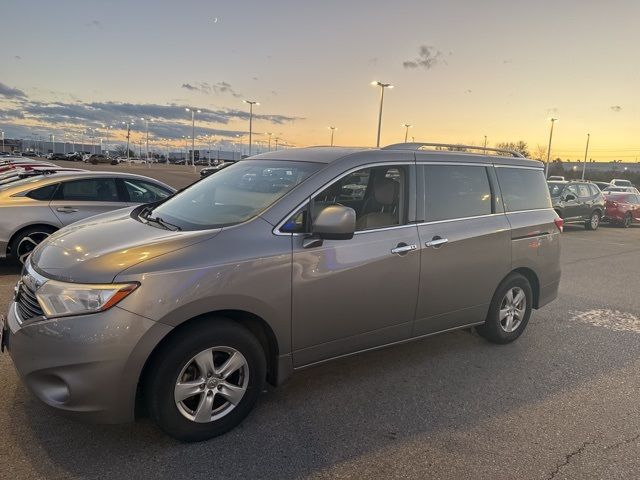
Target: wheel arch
(533,280)
(252,322)
(48,226)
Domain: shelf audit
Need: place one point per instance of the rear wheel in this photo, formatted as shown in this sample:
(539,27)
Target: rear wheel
(509,311)
(24,243)
(626,223)
(205,380)
(594,221)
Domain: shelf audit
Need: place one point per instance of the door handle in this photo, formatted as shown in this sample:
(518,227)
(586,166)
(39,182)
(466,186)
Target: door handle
(403,248)
(66,209)
(436,242)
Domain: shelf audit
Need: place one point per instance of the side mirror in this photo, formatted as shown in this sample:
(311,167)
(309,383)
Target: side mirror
(335,222)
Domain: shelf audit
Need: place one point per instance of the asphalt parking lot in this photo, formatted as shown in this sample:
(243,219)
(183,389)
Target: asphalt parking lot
(561,402)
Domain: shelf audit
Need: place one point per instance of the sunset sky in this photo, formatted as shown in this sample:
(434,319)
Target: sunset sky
(461,70)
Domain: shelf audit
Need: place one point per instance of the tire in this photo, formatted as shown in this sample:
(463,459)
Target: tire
(594,221)
(23,244)
(626,223)
(175,369)
(497,330)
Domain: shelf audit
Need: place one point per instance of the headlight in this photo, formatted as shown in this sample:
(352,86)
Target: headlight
(59,299)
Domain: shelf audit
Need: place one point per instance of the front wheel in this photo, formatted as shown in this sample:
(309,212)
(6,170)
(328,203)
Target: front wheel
(594,221)
(626,223)
(509,311)
(205,380)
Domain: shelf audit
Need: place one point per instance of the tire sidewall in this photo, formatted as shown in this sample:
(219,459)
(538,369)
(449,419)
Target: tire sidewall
(159,390)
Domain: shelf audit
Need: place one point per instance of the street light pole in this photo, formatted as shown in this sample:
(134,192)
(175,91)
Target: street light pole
(269,133)
(546,171)
(193,135)
(333,129)
(382,87)
(276,140)
(406,126)
(586,150)
(485,144)
(251,104)
(128,124)
(2,140)
(146,121)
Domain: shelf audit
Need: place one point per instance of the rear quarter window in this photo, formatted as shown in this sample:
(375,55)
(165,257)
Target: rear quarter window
(43,193)
(523,188)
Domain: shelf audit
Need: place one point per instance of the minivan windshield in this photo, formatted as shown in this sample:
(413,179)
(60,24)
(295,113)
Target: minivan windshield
(233,195)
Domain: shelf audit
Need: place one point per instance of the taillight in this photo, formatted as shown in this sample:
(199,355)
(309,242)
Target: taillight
(559,223)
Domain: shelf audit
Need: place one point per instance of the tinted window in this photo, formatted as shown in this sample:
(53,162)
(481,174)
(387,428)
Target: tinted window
(572,189)
(89,190)
(523,189)
(377,195)
(140,191)
(456,191)
(43,193)
(233,195)
(555,189)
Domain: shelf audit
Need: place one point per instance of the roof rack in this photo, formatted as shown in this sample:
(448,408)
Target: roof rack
(419,145)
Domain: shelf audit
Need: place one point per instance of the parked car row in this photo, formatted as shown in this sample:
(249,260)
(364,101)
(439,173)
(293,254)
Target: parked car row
(588,203)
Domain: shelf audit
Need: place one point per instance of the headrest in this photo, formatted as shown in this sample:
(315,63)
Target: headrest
(385,191)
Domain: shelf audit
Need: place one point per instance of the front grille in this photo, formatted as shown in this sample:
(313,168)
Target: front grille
(28,306)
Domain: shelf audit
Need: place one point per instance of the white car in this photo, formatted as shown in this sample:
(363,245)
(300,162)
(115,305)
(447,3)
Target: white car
(620,182)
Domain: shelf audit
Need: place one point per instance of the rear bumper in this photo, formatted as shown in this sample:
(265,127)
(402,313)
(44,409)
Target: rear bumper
(87,365)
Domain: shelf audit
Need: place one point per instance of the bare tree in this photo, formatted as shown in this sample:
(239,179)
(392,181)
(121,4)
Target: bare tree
(520,146)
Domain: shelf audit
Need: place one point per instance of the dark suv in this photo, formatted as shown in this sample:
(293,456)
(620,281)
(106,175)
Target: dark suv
(578,202)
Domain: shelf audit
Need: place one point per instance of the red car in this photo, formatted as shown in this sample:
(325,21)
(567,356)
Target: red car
(622,208)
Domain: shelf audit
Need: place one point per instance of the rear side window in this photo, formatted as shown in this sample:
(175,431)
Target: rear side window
(43,193)
(89,190)
(594,190)
(583,190)
(456,191)
(523,189)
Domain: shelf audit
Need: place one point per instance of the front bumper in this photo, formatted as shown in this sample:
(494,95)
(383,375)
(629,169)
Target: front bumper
(88,365)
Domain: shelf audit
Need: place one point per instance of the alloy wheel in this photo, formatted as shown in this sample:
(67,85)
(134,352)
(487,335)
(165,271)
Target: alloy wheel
(595,220)
(211,384)
(512,309)
(28,243)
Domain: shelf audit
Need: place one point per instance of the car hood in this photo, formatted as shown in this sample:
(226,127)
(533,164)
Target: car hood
(97,249)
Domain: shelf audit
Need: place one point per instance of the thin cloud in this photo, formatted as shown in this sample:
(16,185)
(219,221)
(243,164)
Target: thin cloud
(468,90)
(551,110)
(616,108)
(94,24)
(12,93)
(207,88)
(507,61)
(428,57)
(17,57)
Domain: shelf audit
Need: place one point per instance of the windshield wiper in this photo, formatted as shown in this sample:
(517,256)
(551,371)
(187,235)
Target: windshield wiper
(145,215)
(163,223)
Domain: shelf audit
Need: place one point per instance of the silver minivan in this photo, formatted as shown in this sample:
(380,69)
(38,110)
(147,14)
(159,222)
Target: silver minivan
(284,260)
